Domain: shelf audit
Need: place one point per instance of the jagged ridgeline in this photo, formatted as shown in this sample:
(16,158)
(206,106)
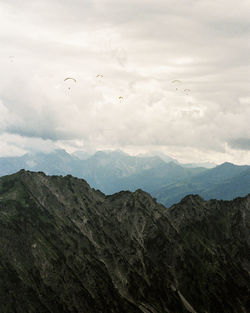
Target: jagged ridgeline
(65,247)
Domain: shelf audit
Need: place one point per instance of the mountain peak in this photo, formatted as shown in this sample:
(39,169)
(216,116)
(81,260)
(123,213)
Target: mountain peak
(192,198)
(226,164)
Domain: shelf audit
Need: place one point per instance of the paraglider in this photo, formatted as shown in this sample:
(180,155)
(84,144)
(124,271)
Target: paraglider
(71,79)
(176,81)
(187,91)
(99,79)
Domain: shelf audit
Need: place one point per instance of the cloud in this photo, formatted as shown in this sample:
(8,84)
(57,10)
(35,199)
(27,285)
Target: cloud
(16,145)
(240,143)
(139,47)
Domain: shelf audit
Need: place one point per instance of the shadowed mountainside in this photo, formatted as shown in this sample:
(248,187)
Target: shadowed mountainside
(65,247)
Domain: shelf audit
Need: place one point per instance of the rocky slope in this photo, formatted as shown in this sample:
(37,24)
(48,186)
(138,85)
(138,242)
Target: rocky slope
(65,247)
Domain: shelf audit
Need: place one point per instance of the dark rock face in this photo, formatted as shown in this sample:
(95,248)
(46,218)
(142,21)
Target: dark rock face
(65,247)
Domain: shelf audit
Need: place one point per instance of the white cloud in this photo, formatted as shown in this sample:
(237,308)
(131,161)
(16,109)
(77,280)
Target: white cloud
(139,47)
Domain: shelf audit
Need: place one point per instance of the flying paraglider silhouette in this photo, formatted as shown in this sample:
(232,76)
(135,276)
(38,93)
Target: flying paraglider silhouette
(187,91)
(99,79)
(176,81)
(70,78)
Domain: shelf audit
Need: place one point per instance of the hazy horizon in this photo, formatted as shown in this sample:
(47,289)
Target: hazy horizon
(150,76)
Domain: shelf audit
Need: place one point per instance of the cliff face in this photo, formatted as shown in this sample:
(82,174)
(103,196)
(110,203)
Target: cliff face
(65,247)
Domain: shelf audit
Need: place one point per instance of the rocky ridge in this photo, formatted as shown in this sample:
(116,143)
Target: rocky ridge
(65,247)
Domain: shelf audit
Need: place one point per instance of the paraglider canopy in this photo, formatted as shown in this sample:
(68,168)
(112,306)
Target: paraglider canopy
(70,78)
(176,81)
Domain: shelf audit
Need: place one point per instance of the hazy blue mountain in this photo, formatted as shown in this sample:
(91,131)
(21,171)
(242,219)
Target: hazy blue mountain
(204,164)
(9,165)
(154,178)
(225,181)
(82,155)
(237,186)
(112,171)
(105,170)
(116,170)
(163,156)
(221,172)
(168,159)
(57,162)
(109,171)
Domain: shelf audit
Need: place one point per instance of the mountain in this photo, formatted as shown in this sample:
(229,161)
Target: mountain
(237,186)
(112,171)
(82,155)
(109,163)
(65,247)
(203,164)
(115,171)
(160,154)
(221,172)
(225,181)
(109,171)
(168,159)
(152,179)
(57,162)
(106,170)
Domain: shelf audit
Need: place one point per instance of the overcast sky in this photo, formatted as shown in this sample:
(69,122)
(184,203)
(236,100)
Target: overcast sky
(140,47)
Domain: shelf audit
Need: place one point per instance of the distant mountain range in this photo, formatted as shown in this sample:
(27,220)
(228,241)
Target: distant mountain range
(226,181)
(112,171)
(67,248)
